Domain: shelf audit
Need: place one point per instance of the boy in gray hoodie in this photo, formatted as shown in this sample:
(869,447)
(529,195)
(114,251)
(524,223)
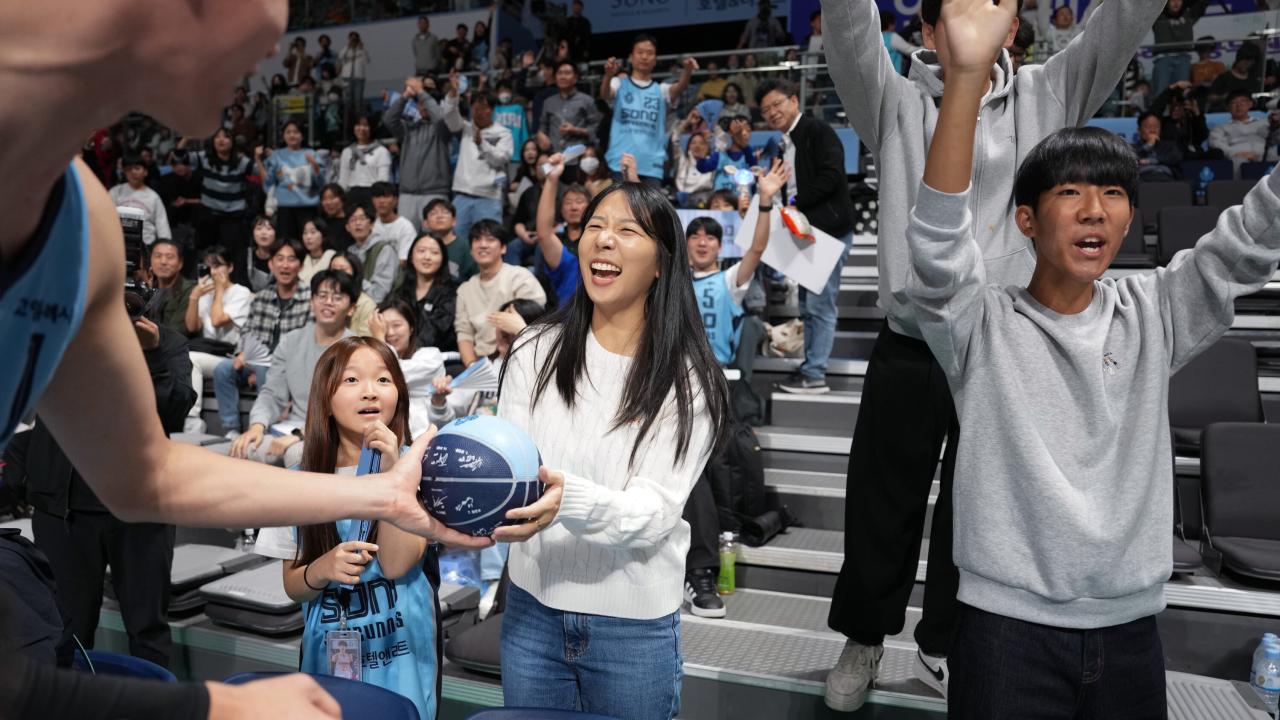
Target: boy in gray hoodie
(906,411)
(1063,486)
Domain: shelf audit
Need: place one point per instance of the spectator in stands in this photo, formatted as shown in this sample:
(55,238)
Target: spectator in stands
(1184,124)
(569,117)
(426,49)
(134,193)
(296,175)
(897,46)
(224,188)
(510,114)
(279,85)
(713,86)
(479,51)
(396,324)
(379,257)
(734,102)
(483,154)
(526,169)
(215,313)
(1244,138)
(1239,79)
(1158,159)
(1057,29)
(80,536)
(557,260)
(326,58)
(440,219)
(456,50)
(1204,72)
(169,305)
(424,148)
(333,209)
(494,285)
(691,182)
(353,68)
(1139,98)
(1023,40)
(578,33)
(746,80)
(726,201)
(540,93)
(640,114)
(1174,31)
(319,251)
(180,190)
(364,162)
(293,364)
(738,155)
(594,173)
(273,313)
(365,306)
(447,404)
(763,30)
(894,456)
(390,227)
(427,286)
(318,561)
(298,63)
(258,256)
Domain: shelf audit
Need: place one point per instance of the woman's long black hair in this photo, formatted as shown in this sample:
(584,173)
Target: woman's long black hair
(673,354)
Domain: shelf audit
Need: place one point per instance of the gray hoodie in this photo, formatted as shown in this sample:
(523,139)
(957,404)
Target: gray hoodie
(424,146)
(895,117)
(1063,485)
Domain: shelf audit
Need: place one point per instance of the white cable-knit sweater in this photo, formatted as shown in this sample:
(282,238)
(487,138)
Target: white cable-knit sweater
(618,545)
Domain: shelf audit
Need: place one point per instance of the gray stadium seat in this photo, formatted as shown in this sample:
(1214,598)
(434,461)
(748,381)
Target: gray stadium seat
(1182,227)
(1226,193)
(1133,251)
(1255,170)
(1152,196)
(1219,385)
(1241,480)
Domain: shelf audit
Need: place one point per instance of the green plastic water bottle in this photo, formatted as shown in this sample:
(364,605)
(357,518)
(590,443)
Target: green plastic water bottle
(726,583)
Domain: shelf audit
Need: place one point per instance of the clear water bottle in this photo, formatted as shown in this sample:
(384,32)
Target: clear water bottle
(1206,177)
(1266,678)
(1267,639)
(726,583)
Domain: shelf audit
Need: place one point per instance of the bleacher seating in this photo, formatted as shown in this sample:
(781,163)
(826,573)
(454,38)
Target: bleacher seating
(357,699)
(1154,196)
(1241,476)
(1181,227)
(1219,385)
(1226,193)
(1133,251)
(1255,170)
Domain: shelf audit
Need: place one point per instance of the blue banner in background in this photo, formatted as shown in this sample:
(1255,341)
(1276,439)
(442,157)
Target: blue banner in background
(619,15)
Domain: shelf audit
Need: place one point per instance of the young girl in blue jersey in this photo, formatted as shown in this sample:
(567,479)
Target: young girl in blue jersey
(720,292)
(359,399)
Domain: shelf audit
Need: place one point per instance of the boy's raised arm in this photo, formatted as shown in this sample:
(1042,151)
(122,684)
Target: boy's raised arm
(867,83)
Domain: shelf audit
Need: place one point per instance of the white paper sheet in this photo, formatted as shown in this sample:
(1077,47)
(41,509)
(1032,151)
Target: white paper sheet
(809,264)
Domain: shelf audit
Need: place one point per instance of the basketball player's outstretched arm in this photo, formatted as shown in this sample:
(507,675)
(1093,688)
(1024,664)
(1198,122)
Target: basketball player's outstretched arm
(101,407)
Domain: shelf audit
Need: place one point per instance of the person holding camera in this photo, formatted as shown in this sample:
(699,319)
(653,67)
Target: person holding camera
(79,534)
(169,304)
(297,63)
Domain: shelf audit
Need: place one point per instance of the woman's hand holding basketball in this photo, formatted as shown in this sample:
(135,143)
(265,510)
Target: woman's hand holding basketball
(342,564)
(540,514)
(404,509)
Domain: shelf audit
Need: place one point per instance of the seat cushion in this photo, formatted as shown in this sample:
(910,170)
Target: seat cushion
(478,648)
(1250,556)
(1186,558)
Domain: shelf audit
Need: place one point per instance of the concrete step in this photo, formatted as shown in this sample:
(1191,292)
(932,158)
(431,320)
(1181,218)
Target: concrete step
(835,410)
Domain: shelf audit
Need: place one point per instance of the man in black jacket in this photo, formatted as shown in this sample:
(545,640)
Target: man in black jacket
(818,188)
(81,537)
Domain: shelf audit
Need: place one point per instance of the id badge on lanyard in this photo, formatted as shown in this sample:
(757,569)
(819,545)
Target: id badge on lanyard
(342,646)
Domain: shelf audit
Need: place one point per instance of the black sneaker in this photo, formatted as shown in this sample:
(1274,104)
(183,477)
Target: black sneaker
(801,385)
(700,591)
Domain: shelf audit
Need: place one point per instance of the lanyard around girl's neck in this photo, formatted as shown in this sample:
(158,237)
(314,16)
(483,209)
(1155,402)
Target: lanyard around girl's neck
(370,463)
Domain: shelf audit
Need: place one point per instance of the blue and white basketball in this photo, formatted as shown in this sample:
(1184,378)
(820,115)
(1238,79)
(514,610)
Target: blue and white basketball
(477,468)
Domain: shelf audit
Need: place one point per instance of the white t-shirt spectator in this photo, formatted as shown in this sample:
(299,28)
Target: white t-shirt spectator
(400,233)
(235,303)
(364,165)
(156,221)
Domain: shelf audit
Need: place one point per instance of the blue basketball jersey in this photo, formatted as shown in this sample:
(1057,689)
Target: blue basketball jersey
(639,127)
(720,315)
(42,298)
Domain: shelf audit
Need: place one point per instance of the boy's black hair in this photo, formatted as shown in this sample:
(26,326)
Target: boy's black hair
(341,281)
(786,87)
(492,228)
(1025,37)
(1206,44)
(1239,92)
(299,250)
(705,224)
(132,159)
(572,66)
(165,241)
(1146,114)
(931,10)
(723,194)
(644,37)
(383,188)
(1082,155)
(361,204)
(439,202)
(888,21)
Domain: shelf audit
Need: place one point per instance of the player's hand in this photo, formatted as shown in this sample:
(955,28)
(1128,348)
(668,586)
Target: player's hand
(508,321)
(342,564)
(442,390)
(281,443)
(248,441)
(771,183)
(291,697)
(148,333)
(404,509)
(976,30)
(377,436)
(541,513)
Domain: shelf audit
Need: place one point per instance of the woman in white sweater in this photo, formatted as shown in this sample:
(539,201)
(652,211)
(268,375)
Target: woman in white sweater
(623,397)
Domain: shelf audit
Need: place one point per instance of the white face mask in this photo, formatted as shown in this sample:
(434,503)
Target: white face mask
(504,98)
(589,164)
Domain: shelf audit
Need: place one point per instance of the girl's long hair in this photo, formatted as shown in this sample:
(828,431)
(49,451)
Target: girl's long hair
(409,274)
(321,440)
(673,354)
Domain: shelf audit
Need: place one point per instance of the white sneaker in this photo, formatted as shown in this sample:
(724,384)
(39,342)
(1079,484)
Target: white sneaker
(851,679)
(232,435)
(932,671)
(194,426)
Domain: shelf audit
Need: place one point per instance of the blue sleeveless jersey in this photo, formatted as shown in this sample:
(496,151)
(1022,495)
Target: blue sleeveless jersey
(895,57)
(639,127)
(42,298)
(720,315)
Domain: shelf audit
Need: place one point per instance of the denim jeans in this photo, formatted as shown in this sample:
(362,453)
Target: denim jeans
(227,382)
(1006,668)
(472,209)
(818,311)
(1167,70)
(626,669)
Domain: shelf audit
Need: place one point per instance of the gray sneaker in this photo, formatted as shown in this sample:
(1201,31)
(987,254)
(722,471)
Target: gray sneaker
(852,677)
(800,385)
